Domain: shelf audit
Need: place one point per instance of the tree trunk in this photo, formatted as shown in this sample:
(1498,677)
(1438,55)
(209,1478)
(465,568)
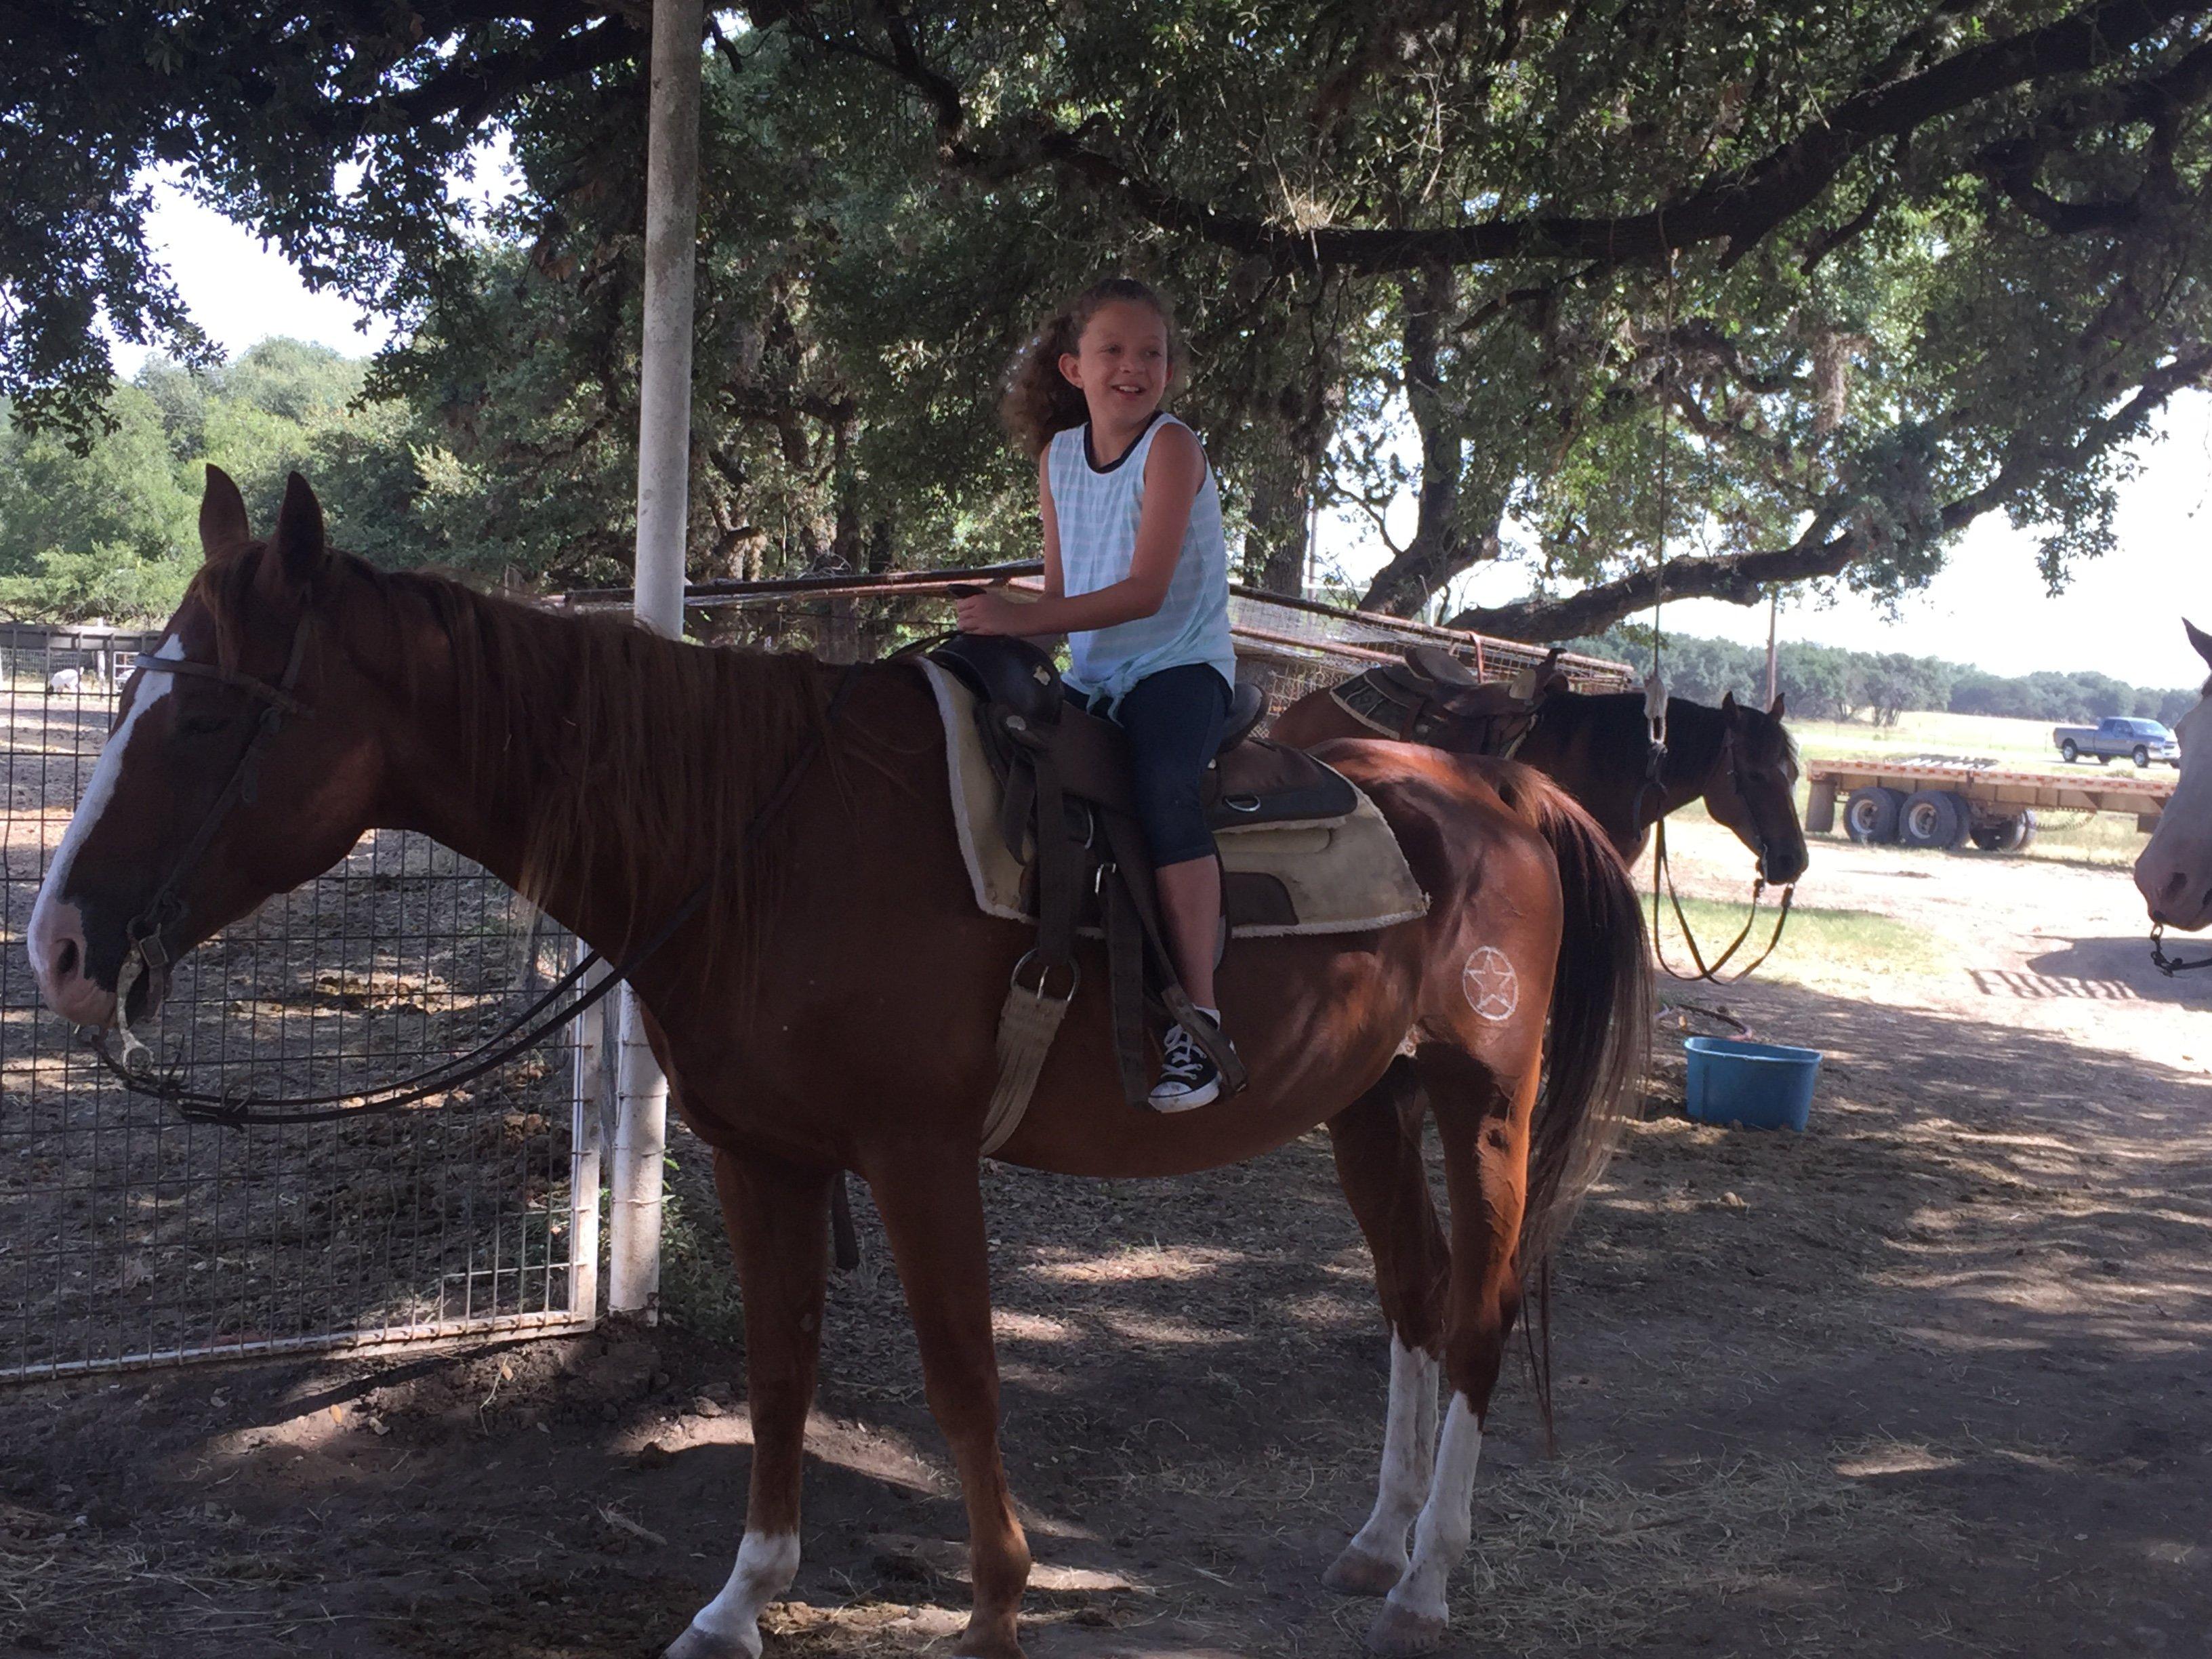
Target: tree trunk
(1275,537)
(1285,479)
(1440,549)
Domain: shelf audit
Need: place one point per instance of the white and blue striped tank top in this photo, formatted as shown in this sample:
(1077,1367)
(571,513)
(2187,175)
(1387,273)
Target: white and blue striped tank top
(1097,510)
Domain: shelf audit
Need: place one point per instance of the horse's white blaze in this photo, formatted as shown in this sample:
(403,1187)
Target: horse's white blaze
(767,1563)
(2174,870)
(46,917)
(1409,1439)
(1447,1521)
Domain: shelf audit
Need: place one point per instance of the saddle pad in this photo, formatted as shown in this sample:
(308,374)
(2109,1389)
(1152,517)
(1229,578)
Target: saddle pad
(1346,876)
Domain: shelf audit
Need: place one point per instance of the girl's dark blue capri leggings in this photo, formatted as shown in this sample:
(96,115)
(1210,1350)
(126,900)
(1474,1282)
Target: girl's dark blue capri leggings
(1174,720)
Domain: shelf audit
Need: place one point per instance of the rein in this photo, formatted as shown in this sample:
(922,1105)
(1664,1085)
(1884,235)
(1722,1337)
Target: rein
(525,1031)
(2170,965)
(1660,870)
(1663,873)
(145,953)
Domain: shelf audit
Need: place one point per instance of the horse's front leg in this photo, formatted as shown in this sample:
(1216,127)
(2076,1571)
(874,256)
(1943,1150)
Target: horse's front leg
(932,1205)
(777,1214)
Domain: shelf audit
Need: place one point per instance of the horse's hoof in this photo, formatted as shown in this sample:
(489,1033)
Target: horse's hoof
(697,1643)
(1356,1572)
(1397,1631)
(977,1644)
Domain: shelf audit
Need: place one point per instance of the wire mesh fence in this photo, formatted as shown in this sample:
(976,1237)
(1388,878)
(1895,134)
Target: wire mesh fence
(130,1236)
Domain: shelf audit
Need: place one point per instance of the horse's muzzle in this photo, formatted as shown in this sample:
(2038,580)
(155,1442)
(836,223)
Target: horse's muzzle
(61,962)
(2167,895)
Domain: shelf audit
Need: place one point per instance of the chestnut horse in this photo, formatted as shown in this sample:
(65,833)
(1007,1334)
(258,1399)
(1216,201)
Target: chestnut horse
(832,1005)
(1597,747)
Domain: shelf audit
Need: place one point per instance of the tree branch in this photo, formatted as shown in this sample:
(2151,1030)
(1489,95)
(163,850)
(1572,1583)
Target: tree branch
(1825,547)
(1738,211)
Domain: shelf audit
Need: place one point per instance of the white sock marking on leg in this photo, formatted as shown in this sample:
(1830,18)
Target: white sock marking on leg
(1409,1439)
(767,1563)
(1447,1521)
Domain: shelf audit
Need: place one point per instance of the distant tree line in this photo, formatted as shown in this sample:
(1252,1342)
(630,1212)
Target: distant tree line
(110,530)
(1826,681)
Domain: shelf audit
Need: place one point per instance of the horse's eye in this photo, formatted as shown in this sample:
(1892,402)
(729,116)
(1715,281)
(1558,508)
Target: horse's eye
(203,726)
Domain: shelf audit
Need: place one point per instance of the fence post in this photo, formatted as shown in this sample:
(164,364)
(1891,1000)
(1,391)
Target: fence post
(664,464)
(587,1144)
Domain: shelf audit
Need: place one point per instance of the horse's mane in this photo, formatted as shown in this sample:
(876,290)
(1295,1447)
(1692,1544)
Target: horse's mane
(597,737)
(1618,733)
(1619,736)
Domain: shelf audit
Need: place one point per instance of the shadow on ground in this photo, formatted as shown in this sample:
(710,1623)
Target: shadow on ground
(1931,1378)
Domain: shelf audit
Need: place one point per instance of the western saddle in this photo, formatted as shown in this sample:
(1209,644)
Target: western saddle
(1433,697)
(1067,813)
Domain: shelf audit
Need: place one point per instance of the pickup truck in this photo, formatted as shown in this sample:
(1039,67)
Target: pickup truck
(2140,741)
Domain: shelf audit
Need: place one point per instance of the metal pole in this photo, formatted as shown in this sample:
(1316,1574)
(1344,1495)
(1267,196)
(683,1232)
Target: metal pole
(588,1136)
(1774,622)
(664,463)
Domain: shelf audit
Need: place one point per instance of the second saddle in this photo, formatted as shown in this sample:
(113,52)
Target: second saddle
(1433,698)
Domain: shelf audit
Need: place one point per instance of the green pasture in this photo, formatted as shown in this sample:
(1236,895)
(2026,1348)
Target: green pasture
(1817,939)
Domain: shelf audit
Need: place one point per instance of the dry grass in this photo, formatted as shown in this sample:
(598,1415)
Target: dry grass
(1568,1556)
(68,1588)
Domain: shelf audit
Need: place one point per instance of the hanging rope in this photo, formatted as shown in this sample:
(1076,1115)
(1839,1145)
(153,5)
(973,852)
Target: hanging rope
(1655,688)
(1655,692)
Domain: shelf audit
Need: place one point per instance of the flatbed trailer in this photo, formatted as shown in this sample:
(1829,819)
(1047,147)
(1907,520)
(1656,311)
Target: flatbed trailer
(1937,801)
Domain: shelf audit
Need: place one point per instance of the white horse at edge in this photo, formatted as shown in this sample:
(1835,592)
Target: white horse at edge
(2175,870)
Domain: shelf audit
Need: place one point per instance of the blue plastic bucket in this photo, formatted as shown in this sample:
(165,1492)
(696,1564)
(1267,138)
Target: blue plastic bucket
(1751,1086)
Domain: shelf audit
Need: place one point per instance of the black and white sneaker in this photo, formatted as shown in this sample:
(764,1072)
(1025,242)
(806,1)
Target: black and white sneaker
(1187,1078)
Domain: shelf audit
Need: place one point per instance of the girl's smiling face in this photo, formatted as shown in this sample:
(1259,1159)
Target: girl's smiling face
(1120,364)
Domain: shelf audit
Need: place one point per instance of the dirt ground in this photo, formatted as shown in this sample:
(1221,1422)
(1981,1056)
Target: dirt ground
(1930,1379)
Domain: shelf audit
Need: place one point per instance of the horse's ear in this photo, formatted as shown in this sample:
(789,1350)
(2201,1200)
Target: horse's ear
(1776,711)
(223,530)
(2200,639)
(1728,705)
(297,552)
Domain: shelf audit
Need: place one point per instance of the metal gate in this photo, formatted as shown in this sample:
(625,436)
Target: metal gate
(131,1237)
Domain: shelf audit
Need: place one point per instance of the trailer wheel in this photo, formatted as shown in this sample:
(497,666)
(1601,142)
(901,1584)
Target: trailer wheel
(1871,815)
(1935,818)
(2069,751)
(2008,835)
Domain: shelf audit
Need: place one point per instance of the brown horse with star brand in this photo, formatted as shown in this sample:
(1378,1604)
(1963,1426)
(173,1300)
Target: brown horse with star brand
(1598,748)
(831,1004)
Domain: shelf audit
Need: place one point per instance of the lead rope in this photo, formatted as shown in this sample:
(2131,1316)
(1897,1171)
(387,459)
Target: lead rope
(2172,965)
(1662,870)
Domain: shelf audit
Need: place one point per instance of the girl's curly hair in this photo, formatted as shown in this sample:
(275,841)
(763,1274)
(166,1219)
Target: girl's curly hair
(1039,401)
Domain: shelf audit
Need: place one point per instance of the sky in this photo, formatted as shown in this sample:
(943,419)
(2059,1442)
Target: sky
(1987,608)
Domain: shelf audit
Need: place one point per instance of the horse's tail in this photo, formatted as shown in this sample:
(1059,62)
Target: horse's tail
(1596,1048)
(1600,1038)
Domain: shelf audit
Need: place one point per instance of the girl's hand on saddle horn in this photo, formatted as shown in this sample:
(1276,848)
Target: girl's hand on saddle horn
(989,613)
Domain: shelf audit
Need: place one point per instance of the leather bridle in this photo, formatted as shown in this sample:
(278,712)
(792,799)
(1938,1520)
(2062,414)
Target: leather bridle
(144,951)
(1662,874)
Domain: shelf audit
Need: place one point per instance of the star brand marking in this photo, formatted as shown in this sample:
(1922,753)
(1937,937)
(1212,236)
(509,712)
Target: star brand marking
(1493,989)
